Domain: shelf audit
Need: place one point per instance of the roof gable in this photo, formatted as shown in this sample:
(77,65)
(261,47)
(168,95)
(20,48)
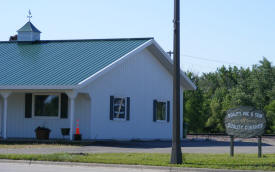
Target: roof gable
(157,52)
(167,62)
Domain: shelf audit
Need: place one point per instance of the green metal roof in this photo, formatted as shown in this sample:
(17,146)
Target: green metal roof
(59,63)
(28,27)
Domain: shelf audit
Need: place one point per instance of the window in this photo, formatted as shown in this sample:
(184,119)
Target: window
(119,108)
(46,105)
(161,111)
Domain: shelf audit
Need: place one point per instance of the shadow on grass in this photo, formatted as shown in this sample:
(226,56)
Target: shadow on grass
(167,144)
(137,144)
(232,165)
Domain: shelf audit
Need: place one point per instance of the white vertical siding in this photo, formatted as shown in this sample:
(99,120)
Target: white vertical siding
(143,79)
(1,116)
(20,127)
(83,114)
(181,111)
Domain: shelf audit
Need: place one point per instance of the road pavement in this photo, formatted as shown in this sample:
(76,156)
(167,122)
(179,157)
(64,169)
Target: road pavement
(25,166)
(15,167)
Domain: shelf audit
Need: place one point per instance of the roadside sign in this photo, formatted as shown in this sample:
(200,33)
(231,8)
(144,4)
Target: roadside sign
(245,122)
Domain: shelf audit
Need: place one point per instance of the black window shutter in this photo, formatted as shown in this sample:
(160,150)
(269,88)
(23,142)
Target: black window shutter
(28,105)
(154,110)
(64,105)
(111,107)
(168,111)
(128,109)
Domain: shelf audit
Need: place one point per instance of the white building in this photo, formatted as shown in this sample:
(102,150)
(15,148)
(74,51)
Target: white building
(116,88)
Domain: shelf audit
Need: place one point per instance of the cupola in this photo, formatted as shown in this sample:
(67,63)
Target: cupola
(28,32)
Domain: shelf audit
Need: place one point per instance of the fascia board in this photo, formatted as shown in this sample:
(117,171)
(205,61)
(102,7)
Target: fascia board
(169,66)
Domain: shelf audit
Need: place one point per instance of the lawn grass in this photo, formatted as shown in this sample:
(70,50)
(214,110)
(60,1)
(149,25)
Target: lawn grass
(34,145)
(218,161)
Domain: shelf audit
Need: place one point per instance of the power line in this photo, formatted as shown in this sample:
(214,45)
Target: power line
(189,62)
(212,60)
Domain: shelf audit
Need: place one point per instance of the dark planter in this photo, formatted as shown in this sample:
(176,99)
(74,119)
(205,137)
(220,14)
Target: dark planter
(77,136)
(42,133)
(65,131)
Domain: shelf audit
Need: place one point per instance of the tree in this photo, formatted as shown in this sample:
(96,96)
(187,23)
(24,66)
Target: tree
(226,88)
(262,79)
(193,113)
(270,117)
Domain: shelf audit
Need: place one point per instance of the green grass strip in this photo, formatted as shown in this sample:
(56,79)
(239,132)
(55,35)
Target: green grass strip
(217,161)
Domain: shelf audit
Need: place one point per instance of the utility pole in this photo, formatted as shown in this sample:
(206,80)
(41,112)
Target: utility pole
(176,155)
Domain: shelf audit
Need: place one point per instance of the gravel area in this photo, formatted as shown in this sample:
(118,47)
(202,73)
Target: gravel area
(193,144)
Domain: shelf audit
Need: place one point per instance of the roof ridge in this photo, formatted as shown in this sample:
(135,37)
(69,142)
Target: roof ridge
(72,40)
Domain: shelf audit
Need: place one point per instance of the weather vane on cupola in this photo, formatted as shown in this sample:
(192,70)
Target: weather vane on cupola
(29,16)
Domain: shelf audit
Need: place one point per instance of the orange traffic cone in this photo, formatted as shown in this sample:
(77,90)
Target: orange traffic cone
(77,135)
(77,127)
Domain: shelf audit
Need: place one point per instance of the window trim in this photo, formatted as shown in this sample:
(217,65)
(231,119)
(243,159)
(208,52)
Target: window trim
(125,116)
(165,113)
(161,121)
(46,117)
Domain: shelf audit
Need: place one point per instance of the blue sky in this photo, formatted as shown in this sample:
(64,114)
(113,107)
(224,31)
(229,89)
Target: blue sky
(213,32)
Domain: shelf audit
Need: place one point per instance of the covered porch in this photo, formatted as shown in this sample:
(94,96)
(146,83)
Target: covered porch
(22,111)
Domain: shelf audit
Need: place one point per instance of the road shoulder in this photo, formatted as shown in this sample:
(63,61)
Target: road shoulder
(160,168)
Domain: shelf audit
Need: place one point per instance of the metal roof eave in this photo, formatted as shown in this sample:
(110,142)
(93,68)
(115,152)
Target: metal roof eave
(37,87)
(167,62)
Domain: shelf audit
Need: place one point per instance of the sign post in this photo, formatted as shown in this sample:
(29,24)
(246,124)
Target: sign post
(259,147)
(245,122)
(232,146)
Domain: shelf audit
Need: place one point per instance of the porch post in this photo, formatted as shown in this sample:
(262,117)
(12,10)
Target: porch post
(91,118)
(72,95)
(5,95)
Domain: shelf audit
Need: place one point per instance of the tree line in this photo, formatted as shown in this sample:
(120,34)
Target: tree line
(229,87)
